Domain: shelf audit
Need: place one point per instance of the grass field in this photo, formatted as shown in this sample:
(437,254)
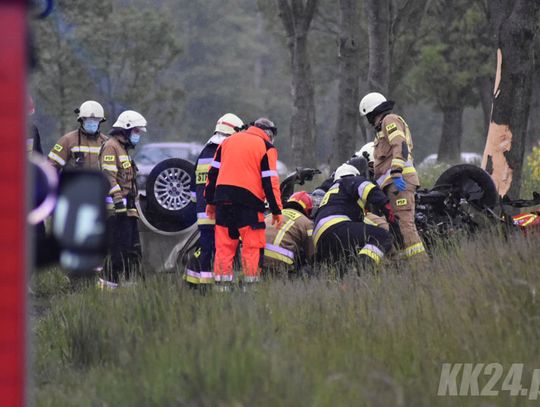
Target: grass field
(373,340)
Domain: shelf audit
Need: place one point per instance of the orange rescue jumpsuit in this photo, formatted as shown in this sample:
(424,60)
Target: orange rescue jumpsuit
(242,176)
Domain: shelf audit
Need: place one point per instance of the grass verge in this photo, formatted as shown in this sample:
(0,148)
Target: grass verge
(372,340)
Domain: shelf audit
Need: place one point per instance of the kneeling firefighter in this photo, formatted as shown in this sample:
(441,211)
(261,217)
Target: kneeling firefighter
(199,267)
(339,227)
(242,176)
(291,246)
(117,165)
(393,168)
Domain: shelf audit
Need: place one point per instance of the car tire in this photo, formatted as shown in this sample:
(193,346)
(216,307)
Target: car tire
(474,183)
(168,191)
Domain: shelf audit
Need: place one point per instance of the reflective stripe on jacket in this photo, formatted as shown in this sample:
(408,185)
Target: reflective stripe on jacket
(244,172)
(347,200)
(293,241)
(77,150)
(120,170)
(393,152)
(198,183)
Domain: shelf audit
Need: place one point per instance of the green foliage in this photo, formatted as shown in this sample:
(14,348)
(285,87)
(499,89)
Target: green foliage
(430,174)
(371,340)
(47,283)
(455,52)
(531,173)
(118,54)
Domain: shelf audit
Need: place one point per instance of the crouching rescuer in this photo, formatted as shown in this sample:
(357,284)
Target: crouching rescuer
(290,248)
(340,231)
(242,175)
(199,267)
(394,169)
(124,244)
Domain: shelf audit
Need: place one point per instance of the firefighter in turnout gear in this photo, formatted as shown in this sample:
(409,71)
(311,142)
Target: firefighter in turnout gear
(394,169)
(291,246)
(80,148)
(117,165)
(242,176)
(199,267)
(340,230)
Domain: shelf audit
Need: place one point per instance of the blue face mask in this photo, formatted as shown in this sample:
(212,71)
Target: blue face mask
(91,126)
(134,138)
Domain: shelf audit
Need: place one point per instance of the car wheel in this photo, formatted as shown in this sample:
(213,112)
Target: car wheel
(474,184)
(168,190)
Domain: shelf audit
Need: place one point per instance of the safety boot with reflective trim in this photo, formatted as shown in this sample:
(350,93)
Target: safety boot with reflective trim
(106,285)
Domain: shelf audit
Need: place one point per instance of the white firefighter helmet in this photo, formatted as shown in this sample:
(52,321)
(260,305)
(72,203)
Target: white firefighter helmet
(130,119)
(366,151)
(345,169)
(370,102)
(228,123)
(90,108)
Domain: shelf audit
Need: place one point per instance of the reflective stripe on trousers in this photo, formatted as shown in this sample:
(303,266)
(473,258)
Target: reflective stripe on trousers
(414,249)
(253,242)
(325,223)
(203,219)
(199,277)
(373,252)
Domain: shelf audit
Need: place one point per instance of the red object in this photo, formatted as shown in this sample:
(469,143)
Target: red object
(12,217)
(244,172)
(253,241)
(528,222)
(389,213)
(304,200)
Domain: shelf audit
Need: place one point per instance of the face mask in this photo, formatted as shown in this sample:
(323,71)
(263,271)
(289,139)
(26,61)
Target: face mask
(134,138)
(91,126)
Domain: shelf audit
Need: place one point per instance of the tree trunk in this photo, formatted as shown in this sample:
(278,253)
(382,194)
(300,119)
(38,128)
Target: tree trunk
(303,118)
(516,28)
(452,131)
(379,17)
(348,95)
(259,62)
(296,17)
(534,114)
(485,91)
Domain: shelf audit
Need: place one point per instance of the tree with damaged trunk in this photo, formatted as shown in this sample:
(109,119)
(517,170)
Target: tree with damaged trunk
(514,24)
(450,64)
(296,16)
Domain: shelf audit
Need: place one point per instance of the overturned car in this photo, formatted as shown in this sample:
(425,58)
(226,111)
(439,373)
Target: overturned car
(464,198)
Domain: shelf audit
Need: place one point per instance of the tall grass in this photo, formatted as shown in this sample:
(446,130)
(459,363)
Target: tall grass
(373,340)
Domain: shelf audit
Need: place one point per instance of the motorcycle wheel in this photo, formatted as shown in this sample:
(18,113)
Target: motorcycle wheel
(474,184)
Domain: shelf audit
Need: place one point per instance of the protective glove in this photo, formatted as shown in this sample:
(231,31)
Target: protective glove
(120,209)
(277,220)
(211,211)
(388,212)
(400,183)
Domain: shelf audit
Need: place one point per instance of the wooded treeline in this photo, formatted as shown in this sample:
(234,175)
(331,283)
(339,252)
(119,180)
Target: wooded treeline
(303,63)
